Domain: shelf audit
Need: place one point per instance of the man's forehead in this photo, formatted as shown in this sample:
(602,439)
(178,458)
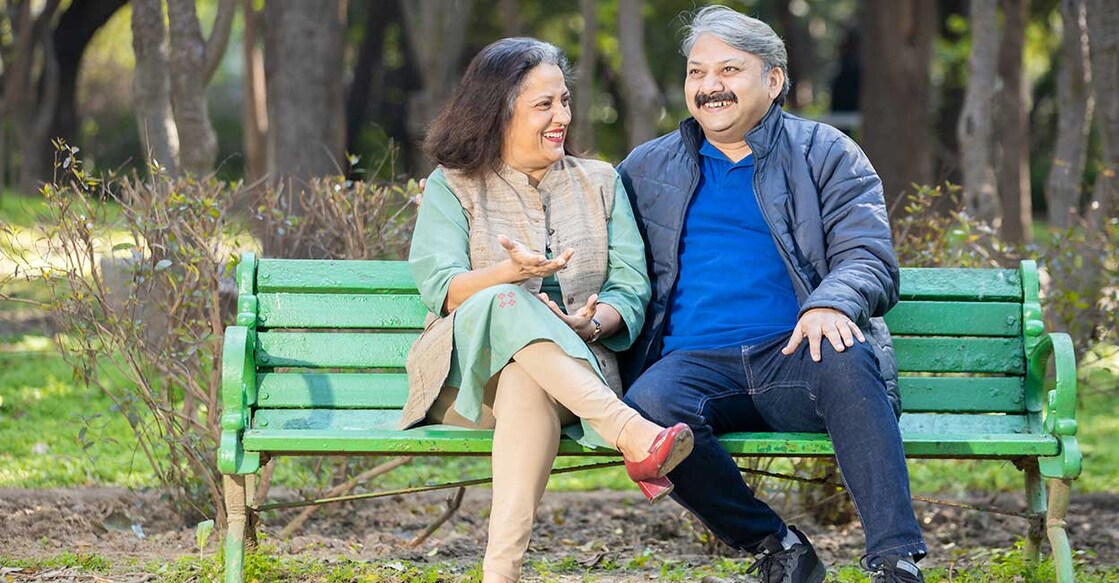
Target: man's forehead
(709,49)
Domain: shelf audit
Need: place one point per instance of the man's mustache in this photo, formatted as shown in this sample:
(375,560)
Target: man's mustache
(705,98)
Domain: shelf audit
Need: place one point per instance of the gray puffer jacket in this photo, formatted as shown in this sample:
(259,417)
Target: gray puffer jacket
(823,202)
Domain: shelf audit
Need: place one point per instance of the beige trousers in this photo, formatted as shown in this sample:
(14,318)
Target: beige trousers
(541,390)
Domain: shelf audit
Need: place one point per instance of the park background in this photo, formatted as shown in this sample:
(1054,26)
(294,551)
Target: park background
(144,143)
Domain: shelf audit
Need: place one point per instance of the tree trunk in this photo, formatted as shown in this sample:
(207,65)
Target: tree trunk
(950,103)
(1074,118)
(30,76)
(306,111)
(193,61)
(72,35)
(254,110)
(584,77)
(512,24)
(976,127)
(802,60)
(365,69)
(151,86)
(1103,28)
(644,103)
(1013,120)
(894,97)
(436,31)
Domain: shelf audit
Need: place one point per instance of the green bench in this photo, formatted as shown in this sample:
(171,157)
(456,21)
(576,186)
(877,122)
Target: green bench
(314,366)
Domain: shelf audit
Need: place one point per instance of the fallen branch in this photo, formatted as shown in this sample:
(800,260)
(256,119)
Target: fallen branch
(453,502)
(343,488)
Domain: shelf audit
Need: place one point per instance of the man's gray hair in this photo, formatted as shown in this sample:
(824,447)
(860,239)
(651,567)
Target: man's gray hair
(744,33)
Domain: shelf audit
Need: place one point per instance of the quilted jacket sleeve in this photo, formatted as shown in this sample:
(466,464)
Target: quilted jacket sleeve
(862,279)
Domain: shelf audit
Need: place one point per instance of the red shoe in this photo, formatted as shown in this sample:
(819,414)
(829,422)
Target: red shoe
(671,447)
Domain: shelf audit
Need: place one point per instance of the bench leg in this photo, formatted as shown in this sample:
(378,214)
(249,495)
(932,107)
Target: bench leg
(1055,524)
(235,535)
(1035,499)
(251,482)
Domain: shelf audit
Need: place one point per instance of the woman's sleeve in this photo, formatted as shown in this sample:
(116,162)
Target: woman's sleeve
(440,244)
(627,286)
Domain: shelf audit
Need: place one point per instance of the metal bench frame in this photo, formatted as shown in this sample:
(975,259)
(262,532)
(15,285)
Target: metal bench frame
(970,343)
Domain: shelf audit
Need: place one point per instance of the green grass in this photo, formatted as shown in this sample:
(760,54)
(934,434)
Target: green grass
(55,432)
(972,566)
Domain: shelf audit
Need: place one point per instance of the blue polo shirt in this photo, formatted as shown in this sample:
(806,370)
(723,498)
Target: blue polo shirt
(733,287)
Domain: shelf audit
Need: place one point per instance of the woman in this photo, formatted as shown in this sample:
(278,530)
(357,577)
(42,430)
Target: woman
(531,264)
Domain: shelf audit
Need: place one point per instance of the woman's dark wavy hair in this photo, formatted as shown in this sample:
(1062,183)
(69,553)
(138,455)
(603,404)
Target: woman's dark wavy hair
(469,131)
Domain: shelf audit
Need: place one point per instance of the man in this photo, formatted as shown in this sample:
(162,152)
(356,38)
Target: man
(771,259)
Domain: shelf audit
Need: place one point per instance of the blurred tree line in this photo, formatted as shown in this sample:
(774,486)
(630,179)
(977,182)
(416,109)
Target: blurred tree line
(1013,99)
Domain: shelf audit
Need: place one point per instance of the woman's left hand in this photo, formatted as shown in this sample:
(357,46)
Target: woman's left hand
(580,321)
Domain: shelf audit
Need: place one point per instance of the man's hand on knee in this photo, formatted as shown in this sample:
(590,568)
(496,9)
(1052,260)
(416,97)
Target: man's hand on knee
(818,323)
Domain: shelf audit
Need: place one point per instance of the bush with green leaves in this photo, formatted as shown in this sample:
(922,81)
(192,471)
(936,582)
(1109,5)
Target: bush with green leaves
(146,292)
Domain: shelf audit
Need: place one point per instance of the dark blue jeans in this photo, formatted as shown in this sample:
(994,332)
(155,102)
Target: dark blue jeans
(756,388)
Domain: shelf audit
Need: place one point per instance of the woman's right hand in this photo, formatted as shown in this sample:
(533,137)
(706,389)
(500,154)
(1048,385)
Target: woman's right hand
(528,264)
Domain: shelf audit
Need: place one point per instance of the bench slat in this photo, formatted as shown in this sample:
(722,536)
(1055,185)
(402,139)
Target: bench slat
(311,276)
(389,350)
(946,424)
(390,391)
(293,310)
(406,311)
(962,394)
(925,318)
(979,285)
(960,355)
(445,440)
(332,390)
(334,350)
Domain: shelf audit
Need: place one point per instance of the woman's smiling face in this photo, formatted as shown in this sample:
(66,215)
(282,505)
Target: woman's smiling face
(541,115)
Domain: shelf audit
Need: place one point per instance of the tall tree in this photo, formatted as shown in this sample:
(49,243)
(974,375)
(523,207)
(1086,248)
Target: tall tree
(303,51)
(1074,117)
(643,98)
(72,35)
(897,48)
(584,76)
(1103,27)
(802,59)
(436,32)
(151,86)
(976,124)
(369,66)
(1013,125)
(193,63)
(30,82)
(254,112)
(171,78)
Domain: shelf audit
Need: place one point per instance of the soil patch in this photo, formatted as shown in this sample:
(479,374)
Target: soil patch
(131,528)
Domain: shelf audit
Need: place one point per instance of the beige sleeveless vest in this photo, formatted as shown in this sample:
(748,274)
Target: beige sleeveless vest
(570,207)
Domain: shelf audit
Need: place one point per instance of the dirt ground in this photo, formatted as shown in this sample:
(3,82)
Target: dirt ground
(586,526)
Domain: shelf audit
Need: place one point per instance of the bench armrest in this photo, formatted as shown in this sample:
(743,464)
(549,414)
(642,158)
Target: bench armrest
(1059,403)
(238,391)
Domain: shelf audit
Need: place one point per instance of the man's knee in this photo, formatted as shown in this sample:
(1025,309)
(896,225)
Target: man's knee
(853,373)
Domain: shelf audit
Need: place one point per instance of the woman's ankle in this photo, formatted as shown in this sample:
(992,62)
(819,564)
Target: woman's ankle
(495,577)
(636,437)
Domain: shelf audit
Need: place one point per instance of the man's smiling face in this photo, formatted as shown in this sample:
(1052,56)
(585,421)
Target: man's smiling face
(727,90)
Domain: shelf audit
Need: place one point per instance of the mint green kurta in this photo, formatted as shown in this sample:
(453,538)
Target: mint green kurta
(494,324)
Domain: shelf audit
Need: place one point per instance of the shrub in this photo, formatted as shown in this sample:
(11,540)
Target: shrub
(147,293)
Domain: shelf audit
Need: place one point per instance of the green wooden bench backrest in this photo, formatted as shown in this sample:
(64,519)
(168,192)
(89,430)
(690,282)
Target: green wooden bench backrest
(333,337)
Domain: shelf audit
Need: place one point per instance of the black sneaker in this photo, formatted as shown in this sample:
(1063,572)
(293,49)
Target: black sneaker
(893,570)
(797,564)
